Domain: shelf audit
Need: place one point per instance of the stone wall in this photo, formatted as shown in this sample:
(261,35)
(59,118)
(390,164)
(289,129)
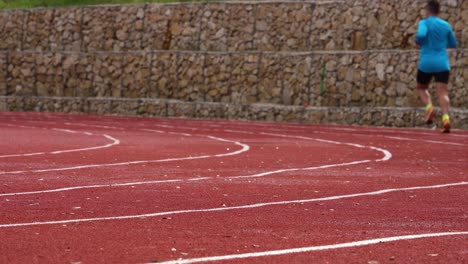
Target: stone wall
(226,26)
(363,78)
(369,116)
(345,62)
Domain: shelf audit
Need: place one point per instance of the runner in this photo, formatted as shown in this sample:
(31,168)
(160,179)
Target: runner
(434,36)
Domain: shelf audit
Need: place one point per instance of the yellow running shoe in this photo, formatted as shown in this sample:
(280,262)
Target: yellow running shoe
(445,124)
(430,115)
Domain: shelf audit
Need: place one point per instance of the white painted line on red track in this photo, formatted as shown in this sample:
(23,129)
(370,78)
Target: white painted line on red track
(386,157)
(326,127)
(244,148)
(387,154)
(289,251)
(427,141)
(239,207)
(326,133)
(114,141)
(90,187)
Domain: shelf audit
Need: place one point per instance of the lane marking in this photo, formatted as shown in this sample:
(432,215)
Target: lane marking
(230,208)
(114,141)
(387,156)
(222,123)
(289,251)
(244,148)
(325,133)
(90,187)
(425,140)
(257,175)
(267,125)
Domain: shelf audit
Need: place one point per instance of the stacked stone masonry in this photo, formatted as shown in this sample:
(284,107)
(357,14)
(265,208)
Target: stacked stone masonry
(338,79)
(226,26)
(348,62)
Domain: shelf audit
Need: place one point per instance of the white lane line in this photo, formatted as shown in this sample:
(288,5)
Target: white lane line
(91,187)
(230,208)
(114,141)
(268,173)
(267,125)
(257,175)
(387,154)
(244,148)
(386,157)
(384,136)
(289,251)
(327,133)
(425,140)
(86,125)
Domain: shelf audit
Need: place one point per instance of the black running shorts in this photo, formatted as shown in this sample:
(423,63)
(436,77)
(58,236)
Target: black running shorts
(440,77)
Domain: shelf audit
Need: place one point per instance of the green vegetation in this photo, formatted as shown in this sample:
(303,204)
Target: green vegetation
(11,4)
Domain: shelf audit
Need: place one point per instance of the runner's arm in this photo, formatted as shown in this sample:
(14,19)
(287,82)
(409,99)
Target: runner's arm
(421,33)
(452,40)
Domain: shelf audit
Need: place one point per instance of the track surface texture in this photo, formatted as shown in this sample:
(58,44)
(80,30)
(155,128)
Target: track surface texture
(106,189)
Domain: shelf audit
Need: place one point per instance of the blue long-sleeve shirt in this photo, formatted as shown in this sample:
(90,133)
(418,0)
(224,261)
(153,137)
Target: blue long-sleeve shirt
(435,35)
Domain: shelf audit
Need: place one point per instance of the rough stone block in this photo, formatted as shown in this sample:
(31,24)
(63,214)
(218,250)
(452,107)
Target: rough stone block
(373,116)
(215,28)
(391,79)
(217,71)
(98,28)
(328,24)
(152,107)
(190,77)
(271,84)
(49,74)
(163,77)
(241,26)
(3,73)
(315,115)
(129,28)
(21,73)
(78,74)
(11,29)
(244,77)
(401,117)
(37,30)
(458,88)
(157,34)
(175,27)
(210,110)
(98,106)
(136,74)
(176,108)
(65,31)
(297,75)
(281,26)
(108,74)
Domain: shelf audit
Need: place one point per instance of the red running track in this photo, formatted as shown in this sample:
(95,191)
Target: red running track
(101,189)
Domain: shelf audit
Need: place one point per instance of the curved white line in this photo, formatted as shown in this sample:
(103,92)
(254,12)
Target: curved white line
(239,207)
(288,251)
(384,136)
(387,156)
(257,175)
(114,142)
(87,125)
(326,133)
(244,148)
(413,131)
(427,141)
